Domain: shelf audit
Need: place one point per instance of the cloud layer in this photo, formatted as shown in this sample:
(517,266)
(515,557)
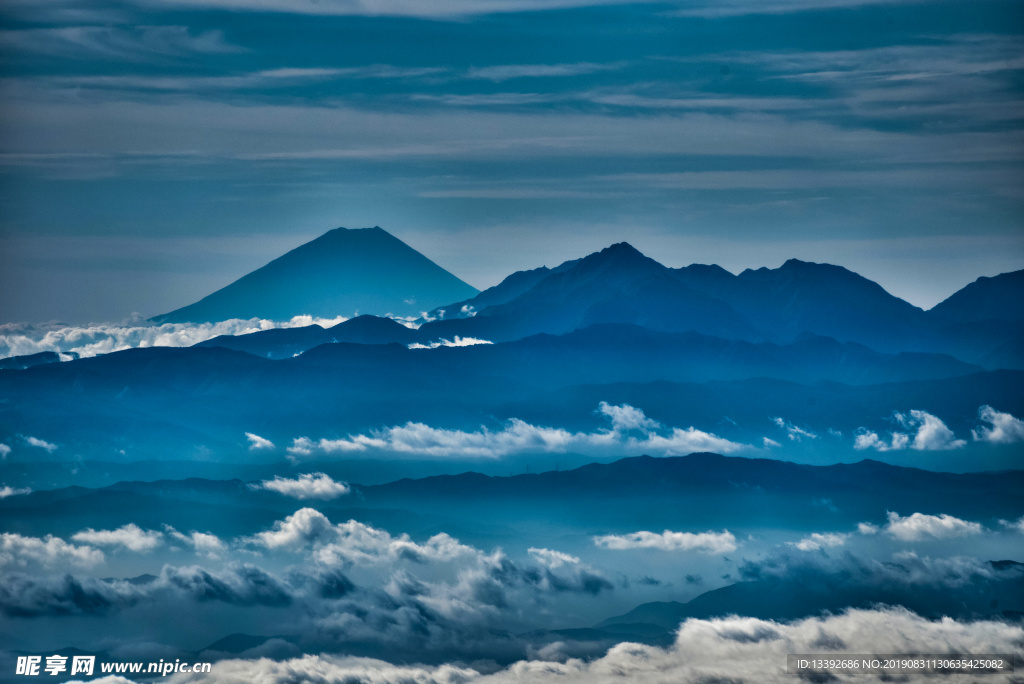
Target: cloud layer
(704,542)
(632,433)
(19,339)
(928,433)
(733,649)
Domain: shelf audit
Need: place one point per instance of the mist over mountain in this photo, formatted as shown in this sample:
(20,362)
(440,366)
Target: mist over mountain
(994,590)
(285,343)
(343,272)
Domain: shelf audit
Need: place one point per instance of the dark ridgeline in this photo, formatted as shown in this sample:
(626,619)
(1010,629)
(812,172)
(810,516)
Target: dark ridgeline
(619,285)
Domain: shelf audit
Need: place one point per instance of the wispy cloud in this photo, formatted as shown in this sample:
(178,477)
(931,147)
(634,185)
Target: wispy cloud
(931,435)
(505,72)
(795,434)
(40,444)
(440,9)
(631,433)
(257,443)
(1004,428)
(730,8)
(457,342)
(17,339)
(203,543)
(262,81)
(306,486)
(818,541)
(136,43)
(130,536)
(6,491)
(704,542)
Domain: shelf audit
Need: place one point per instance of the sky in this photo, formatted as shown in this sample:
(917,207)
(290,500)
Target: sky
(152,151)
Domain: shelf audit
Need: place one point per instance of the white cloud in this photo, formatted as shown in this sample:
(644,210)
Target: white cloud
(795,434)
(41,444)
(356,542)
(19,551)
(265,80)
(4,450)
(112,42)
(1005,429)
(704,542)
(518,436)
(301,446)
(307,486)
(256,442)
(931,435)
(507,71)
(203,542)
(130,536)
(919,526)
(819,541)
(7,491)
(552,559)
(871,440)
(18,339)
(769,443)
(298,529)
(626,417)
(1017,525)
(400,8)
(457,342)
(867,528)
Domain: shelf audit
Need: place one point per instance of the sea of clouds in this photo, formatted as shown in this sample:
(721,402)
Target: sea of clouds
(20,339)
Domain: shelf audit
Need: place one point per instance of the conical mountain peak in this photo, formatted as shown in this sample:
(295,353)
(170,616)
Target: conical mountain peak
(344,272)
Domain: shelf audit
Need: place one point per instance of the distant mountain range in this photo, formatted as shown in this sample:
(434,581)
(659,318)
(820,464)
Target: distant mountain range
(619,285)
(698,491)
(718,351)
(341,273)
(999,596)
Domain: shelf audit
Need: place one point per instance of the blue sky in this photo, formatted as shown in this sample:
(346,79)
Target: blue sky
(152,151)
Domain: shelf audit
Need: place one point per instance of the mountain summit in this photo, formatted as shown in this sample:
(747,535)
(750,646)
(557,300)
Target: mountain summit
(341,273)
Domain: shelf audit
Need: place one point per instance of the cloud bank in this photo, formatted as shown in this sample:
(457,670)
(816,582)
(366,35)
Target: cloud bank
(18,339)
(632,433)
(918,527)
(306,486)
(930,434)
(704,542)
(457,342)
(129,536)
(1004,428)
(733,649)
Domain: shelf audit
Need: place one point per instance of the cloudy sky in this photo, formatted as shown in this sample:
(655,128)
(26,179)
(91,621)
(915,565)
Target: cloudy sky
(154,150)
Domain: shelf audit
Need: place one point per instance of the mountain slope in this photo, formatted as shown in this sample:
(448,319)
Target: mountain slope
(343,272)
(813,592)
(821,299)
(1000,298)
(616,285)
